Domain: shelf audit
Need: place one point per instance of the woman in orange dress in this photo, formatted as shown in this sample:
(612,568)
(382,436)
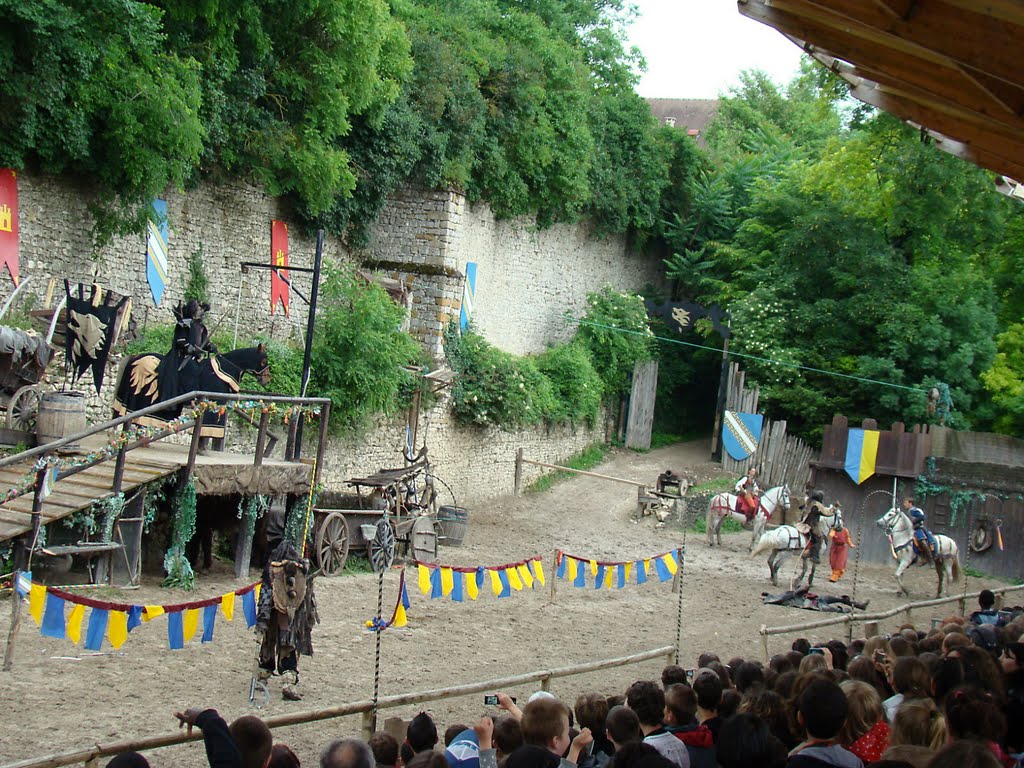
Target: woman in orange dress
(841,543)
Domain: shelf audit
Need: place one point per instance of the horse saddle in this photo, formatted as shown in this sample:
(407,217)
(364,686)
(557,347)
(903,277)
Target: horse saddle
(804,528)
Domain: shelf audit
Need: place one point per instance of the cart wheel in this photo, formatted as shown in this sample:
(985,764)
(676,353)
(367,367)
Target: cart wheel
(423,540)
(382,547)
(331,544)
(24,407)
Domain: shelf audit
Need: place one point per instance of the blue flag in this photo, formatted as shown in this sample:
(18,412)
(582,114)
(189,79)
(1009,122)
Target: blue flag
(209,619)
(176,631)
(561,567)
(134,616)
(53,618)
(249,608)
(97,629)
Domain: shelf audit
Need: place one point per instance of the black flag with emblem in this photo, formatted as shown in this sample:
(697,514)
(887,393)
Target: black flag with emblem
(92,321)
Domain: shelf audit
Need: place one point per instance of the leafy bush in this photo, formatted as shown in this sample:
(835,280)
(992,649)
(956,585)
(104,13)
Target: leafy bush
(494,387)
(359,353)
(615,332)
(577,388)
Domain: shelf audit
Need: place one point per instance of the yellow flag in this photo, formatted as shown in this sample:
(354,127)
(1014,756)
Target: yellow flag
(495,582)
(447,582)
(74,626)
(670,563)
(227,605)
(423,579)
(36,602)
(190,623)
(525,575)
(593,567)
(471,589)
(629,567)
(608,571)
(256,592)
(400,618)
(571,569)
(538,571)
(150,612)
(513,578)
(117,628)
(647,566)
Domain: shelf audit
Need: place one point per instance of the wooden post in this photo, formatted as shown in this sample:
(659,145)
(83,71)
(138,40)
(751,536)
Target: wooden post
(369,723)
(321,448)
(12,635)
(193,448)
(545,683)
(554,573)
(870,629)
(289,446)
(261,438)
(764,643)
(519,477)
(119,463)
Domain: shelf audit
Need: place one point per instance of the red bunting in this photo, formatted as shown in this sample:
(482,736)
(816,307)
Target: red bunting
(9,221)
(279,258)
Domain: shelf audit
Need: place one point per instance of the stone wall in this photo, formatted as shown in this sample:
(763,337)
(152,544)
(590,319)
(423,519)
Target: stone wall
(526,280)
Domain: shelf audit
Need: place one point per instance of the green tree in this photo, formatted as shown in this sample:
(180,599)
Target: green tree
(90,88)
(1005,380)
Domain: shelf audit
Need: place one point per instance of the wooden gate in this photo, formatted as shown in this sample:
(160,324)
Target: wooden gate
(641,405)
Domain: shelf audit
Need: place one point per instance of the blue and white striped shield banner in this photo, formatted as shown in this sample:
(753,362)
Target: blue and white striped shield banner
(468,292)
(741,433)
(156,250)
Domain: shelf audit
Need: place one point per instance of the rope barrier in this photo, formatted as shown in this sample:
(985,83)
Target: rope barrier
(759,359)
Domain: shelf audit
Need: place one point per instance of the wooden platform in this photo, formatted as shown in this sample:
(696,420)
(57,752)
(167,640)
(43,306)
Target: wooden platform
(218,472)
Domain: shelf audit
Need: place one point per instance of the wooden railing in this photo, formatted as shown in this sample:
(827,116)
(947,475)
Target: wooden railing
(365,708)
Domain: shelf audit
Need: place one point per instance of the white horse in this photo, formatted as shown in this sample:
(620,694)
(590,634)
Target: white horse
(900,530)
(724,505)
(786,540)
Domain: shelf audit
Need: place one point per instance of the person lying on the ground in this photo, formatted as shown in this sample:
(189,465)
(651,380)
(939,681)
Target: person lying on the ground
(221,749)
(804,598)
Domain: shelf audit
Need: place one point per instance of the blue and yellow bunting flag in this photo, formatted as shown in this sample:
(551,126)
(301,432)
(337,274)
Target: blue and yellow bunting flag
(97,629)
(861,453)
(618,574)
(457,583)
(175,631)
(435,584)
(115,621)
(53,618)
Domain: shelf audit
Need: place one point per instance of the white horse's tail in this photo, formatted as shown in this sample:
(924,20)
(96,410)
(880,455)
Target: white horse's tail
(956,569)
(764,544)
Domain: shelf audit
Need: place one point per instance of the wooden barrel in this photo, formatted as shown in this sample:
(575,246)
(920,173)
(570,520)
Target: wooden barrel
(452,522)
(60,414)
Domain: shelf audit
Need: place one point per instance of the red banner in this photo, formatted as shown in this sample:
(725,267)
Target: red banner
(9,221)
(278,258)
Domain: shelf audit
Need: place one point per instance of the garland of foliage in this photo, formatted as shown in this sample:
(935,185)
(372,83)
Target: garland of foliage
(299,517)
(960,499)
(252,509)
(111,509)
(178,569)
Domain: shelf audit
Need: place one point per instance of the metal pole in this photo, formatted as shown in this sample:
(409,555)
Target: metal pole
(307,354)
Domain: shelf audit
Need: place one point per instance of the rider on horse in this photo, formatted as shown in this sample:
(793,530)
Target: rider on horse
(924,541)
(809,525)
(748,495)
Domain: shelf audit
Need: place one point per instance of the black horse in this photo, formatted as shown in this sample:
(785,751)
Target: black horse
(139,383)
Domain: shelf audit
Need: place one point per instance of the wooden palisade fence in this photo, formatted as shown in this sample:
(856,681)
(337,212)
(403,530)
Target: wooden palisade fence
(779,458)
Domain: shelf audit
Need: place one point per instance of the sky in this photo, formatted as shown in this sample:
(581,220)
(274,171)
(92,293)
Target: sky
(695,49)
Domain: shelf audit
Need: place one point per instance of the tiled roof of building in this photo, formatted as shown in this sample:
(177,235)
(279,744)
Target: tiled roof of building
(691,115)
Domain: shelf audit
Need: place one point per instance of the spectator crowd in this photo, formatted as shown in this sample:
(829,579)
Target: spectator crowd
(949,698)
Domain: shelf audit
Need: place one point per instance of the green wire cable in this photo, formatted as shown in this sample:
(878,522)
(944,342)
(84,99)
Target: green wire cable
(753,357)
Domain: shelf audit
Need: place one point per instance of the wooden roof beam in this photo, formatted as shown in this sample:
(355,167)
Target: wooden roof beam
(941,77)
(1000,152)
(898,9)
(1009,96)
(973,39)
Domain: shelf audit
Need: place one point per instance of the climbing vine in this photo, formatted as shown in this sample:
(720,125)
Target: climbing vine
(156,494)
(179,570)
(301,517)
(252,509)
(960,498)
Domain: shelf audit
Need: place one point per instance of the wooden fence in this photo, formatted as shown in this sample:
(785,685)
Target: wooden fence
(779,458)
(849,619)
(367,709)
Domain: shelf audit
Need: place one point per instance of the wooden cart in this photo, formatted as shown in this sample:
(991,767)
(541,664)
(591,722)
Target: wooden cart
(404,497)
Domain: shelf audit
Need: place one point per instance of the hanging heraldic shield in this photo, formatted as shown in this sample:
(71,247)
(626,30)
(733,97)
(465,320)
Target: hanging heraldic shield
(741,433)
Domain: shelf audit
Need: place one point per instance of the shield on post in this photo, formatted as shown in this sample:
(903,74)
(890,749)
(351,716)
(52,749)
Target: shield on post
(741,433)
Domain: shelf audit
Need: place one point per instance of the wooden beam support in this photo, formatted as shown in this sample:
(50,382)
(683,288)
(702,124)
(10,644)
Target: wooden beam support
(936,31)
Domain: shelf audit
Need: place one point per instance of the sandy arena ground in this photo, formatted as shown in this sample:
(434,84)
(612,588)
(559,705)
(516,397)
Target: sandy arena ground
(60,698)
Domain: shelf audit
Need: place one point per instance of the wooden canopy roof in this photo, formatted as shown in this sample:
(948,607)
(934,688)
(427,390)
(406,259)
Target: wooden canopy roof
(952,67)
